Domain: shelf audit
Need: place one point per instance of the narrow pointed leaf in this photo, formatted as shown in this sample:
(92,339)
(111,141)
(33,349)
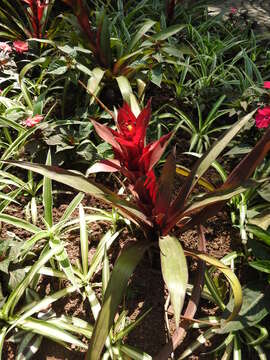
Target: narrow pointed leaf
(50,331)
(47,195)
(231,277)
(120,275)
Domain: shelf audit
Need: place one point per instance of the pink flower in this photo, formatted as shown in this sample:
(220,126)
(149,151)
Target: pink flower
(262,118)
(20,46)
(233,10)
(30,122)
(266,84)
(5,47)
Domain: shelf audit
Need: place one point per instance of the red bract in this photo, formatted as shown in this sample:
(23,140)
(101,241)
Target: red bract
(135,159)
(262,117)
(30,122)
(20,46)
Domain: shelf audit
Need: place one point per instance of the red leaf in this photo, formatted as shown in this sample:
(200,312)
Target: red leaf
(107,135)
(153,152)
(142,123)
(165,188)
(105,166)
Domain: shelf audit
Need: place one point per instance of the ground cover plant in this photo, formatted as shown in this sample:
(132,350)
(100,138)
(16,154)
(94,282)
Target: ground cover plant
(134,181)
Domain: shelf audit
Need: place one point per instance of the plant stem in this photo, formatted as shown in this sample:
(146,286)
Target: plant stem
(192,306)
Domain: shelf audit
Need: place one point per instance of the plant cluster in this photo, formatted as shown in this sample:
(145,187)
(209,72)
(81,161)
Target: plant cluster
(127,88)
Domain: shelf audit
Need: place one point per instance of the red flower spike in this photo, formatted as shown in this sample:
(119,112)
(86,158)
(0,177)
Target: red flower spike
(136,160)
(262,117)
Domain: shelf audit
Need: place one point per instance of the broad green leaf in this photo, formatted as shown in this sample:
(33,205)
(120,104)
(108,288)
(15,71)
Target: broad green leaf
(93,84)
(81,183)
(120,275)
(174,272)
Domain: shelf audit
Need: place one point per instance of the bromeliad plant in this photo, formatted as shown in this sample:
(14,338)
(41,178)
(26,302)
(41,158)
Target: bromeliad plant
(149,203)
(24,19)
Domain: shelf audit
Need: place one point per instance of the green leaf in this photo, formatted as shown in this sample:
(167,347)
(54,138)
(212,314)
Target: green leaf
(261,234)
(174,272)
(16,294)
(127,94)
(20,223)
(51,331)
(63,260)
(47,195)
(73,324)
(156,75)
(2,339)
(261,265)
(135,354)
(106,242)
(83,240)
(39,305)
(120,275)
(170,31)
(139,34)
(264,192)
(28,346)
